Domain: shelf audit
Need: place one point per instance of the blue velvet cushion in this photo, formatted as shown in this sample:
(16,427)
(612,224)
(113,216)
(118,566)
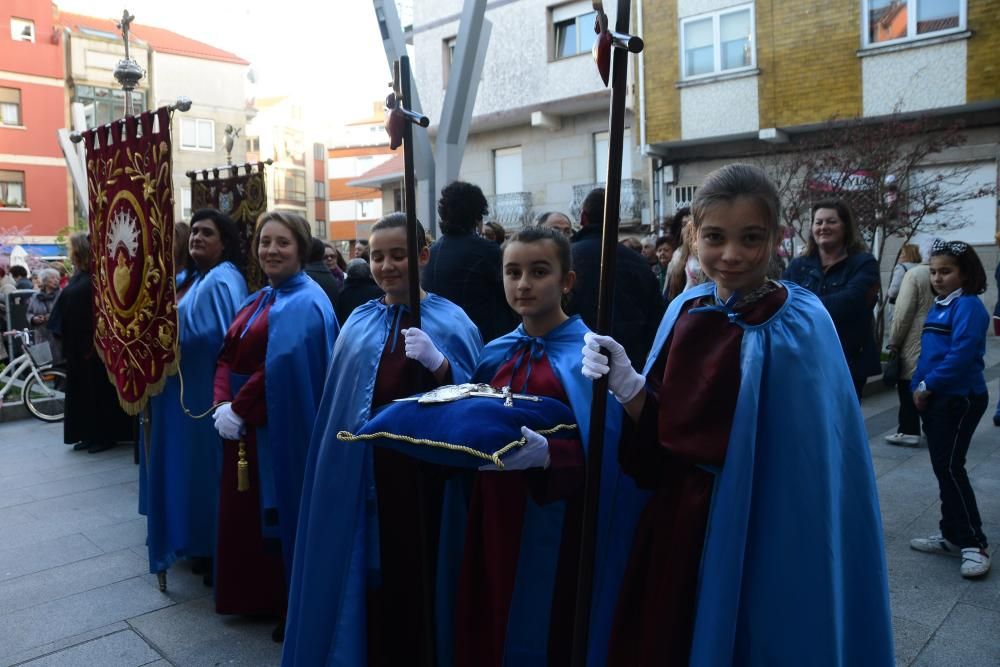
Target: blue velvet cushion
(466,433)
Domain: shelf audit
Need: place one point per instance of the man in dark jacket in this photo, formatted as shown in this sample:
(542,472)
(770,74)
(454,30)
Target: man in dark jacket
(638,306)
(465,268)
(317,269)
(359,288)
(21,279)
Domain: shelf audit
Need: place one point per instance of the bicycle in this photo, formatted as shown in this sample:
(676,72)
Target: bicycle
(42,387)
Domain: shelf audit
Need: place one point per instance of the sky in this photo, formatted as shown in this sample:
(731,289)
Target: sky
(327,53)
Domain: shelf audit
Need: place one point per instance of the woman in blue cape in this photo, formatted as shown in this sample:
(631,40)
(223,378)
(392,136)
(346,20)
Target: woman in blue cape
(362,583)
(269,378)
(179,476)
(508,576)
(762,543)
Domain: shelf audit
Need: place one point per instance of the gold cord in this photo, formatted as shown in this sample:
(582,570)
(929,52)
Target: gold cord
(242,469)
(180,377)
(494,458)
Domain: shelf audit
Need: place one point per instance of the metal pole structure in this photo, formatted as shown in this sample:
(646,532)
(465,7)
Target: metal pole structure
(402,75)
(617,45)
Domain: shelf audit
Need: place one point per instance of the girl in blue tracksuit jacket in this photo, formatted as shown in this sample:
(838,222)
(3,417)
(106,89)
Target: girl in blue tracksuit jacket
(950,391)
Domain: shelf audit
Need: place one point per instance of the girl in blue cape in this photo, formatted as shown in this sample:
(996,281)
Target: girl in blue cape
(362,589)
(269,378)
(516,552)
(762,543)
(179,477)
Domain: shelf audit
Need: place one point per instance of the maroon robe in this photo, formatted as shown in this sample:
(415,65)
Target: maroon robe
(410,493)
(493,535)
(249,577)
(685,423)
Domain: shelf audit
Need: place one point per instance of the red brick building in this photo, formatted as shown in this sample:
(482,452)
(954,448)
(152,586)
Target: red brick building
(35,196)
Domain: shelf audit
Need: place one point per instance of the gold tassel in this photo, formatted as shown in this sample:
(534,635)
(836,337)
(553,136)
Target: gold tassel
(242,469)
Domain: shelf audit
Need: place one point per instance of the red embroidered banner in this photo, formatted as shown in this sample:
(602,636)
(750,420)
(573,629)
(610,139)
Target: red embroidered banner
(131,234)
(243,198)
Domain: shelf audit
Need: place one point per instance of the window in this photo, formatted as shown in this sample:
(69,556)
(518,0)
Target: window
(507,172)
(290,185)
(369,209)
(103,105)
(10,106)
(717,43)
(12,189)
(319,188)
(898,20)
(198,134)
(397,199)
(684,195)
(447,58)
(22,30)
(320,229)
(186,203)
(601,156)
(253,144)
(573,27)
(319,152)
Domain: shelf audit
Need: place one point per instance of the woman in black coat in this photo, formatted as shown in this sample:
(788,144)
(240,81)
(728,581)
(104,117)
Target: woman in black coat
(94,419)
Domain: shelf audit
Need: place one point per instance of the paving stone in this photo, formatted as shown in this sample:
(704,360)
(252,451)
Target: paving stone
(121,649)
(22,560)
(910,638)
(46,623)
(922,587)
(60,582)
(968,637)
(193,634)
(118,536)
(65,642)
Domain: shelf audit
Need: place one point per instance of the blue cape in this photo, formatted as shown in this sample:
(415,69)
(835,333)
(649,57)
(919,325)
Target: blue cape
(179,485)
(528,625)
(337,530)
(301,331)
(793,569)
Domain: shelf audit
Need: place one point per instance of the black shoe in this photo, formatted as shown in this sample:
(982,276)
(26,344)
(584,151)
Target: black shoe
(100,447)
(82,445)
(207,580)
(996,419)
(278,635)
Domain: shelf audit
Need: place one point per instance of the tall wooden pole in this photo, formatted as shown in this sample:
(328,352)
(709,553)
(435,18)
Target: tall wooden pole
(402,76)
(620,45)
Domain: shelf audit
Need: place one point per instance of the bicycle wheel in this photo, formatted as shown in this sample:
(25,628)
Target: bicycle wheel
(46,399)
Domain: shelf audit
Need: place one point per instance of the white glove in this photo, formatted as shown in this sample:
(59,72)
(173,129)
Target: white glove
(624,383)
(228,423)
(420,347)
(534,453)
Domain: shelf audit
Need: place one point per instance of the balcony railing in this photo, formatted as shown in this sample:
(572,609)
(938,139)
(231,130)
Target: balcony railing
(512,210)
(633,200)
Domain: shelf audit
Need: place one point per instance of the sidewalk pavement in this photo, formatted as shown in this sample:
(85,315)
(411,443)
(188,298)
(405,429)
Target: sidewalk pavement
(75,588)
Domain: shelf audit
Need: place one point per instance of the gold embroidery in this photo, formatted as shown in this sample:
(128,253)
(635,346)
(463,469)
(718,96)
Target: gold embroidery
(494,458)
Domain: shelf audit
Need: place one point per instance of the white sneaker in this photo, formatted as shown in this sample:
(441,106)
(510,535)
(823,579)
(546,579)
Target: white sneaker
(903,440)
(975,562)
(936,544)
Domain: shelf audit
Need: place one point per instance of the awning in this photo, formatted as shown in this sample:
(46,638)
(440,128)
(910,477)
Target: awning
(43,250)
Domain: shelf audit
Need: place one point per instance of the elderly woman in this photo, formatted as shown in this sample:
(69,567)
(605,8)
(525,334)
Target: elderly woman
(94,419)
(180,483)
(40,308)
(837,268)
(270,378)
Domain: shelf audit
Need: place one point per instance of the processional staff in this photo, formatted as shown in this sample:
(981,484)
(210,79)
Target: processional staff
(399,122)
(611,53)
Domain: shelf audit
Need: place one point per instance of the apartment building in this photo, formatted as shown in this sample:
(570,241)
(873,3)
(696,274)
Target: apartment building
(729,79)
(538,138)
(218,92)
(35,196)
